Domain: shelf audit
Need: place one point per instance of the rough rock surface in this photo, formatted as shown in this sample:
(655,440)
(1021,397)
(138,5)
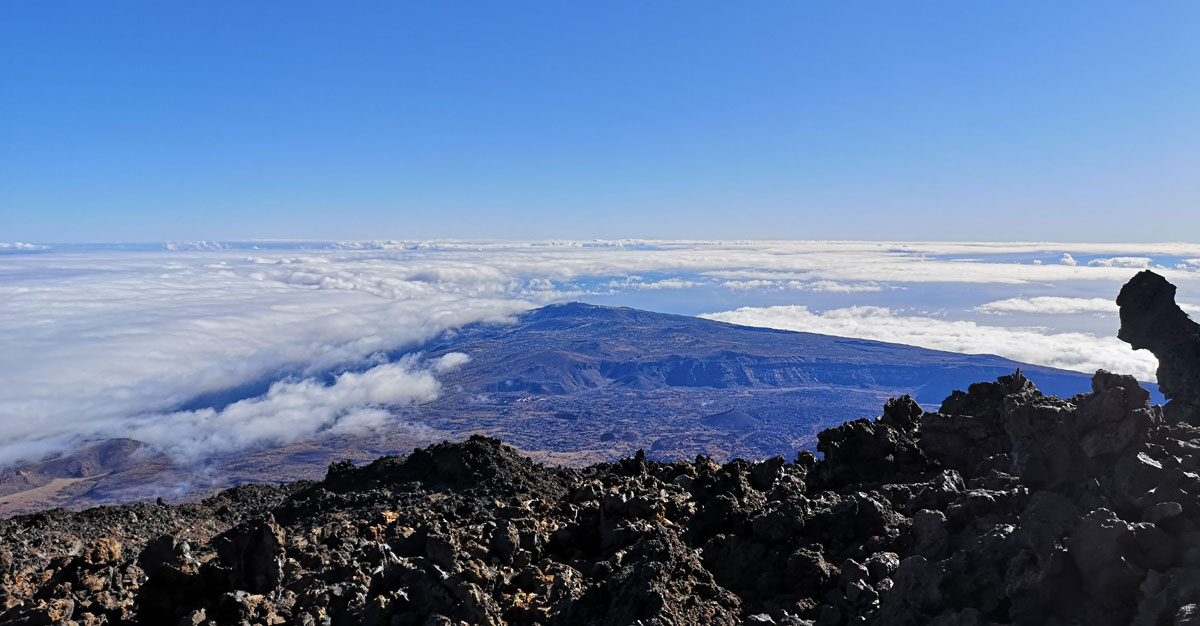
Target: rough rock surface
(1005,506)
(1151,320)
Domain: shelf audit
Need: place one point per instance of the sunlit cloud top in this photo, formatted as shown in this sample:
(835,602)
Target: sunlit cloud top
(100,337)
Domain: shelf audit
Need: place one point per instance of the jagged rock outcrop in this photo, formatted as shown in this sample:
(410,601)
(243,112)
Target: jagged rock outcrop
(970,425)
(1006,506)
(1089,514)
(866,450)
(1151,320)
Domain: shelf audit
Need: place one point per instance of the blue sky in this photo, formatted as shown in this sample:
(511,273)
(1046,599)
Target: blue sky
(143,121)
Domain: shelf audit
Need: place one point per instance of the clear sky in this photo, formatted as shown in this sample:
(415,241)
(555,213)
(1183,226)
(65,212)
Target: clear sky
(146,121)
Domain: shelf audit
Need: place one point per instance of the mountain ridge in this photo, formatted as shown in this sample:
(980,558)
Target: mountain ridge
(576,383)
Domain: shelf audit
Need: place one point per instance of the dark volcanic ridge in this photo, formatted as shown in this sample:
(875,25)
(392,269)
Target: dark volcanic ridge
(574,347)
(1005,506)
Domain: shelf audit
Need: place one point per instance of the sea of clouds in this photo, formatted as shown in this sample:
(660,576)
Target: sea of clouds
(121,340)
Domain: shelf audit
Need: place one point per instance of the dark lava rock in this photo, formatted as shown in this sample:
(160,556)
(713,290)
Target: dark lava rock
(1151,320)
(253,554)
(1115,418)
(1005,506)
(866,450)
(971,425)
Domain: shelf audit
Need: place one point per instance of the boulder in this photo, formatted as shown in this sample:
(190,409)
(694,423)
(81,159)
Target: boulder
(1115,418)
(1101,547)
(969,427)
(866,450)
(1045,450)
(253,555)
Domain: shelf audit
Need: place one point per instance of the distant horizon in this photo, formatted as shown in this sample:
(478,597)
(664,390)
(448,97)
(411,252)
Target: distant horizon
(549,240)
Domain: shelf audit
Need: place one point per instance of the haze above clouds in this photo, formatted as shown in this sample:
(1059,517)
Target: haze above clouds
(104,342)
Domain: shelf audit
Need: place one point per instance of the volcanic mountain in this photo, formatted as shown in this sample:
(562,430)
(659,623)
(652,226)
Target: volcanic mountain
(574,384)
(565,348)
(581,382)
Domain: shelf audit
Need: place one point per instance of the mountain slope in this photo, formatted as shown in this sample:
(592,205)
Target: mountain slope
(576,381)
(570,347)
(575,384)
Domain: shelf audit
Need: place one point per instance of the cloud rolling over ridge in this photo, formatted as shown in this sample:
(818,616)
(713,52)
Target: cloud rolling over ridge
(293,411)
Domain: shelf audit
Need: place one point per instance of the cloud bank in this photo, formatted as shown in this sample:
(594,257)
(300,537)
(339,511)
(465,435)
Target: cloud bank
(1056,305)
(1051,305)
(98,339)
(293,411)
(1073,351)
(1122,261)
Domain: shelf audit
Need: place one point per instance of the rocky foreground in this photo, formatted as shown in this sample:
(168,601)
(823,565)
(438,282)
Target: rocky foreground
(1005,506)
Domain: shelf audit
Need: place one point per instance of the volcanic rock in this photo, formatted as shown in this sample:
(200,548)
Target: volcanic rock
(1151,320)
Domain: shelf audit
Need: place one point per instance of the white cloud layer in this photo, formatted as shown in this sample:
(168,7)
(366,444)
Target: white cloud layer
(95,339)
(1073,351)
(747,285)
(832,286)
(1057,305)
(293,411)
(816,286)
(1122,261)
(636,282)
(1053,305)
